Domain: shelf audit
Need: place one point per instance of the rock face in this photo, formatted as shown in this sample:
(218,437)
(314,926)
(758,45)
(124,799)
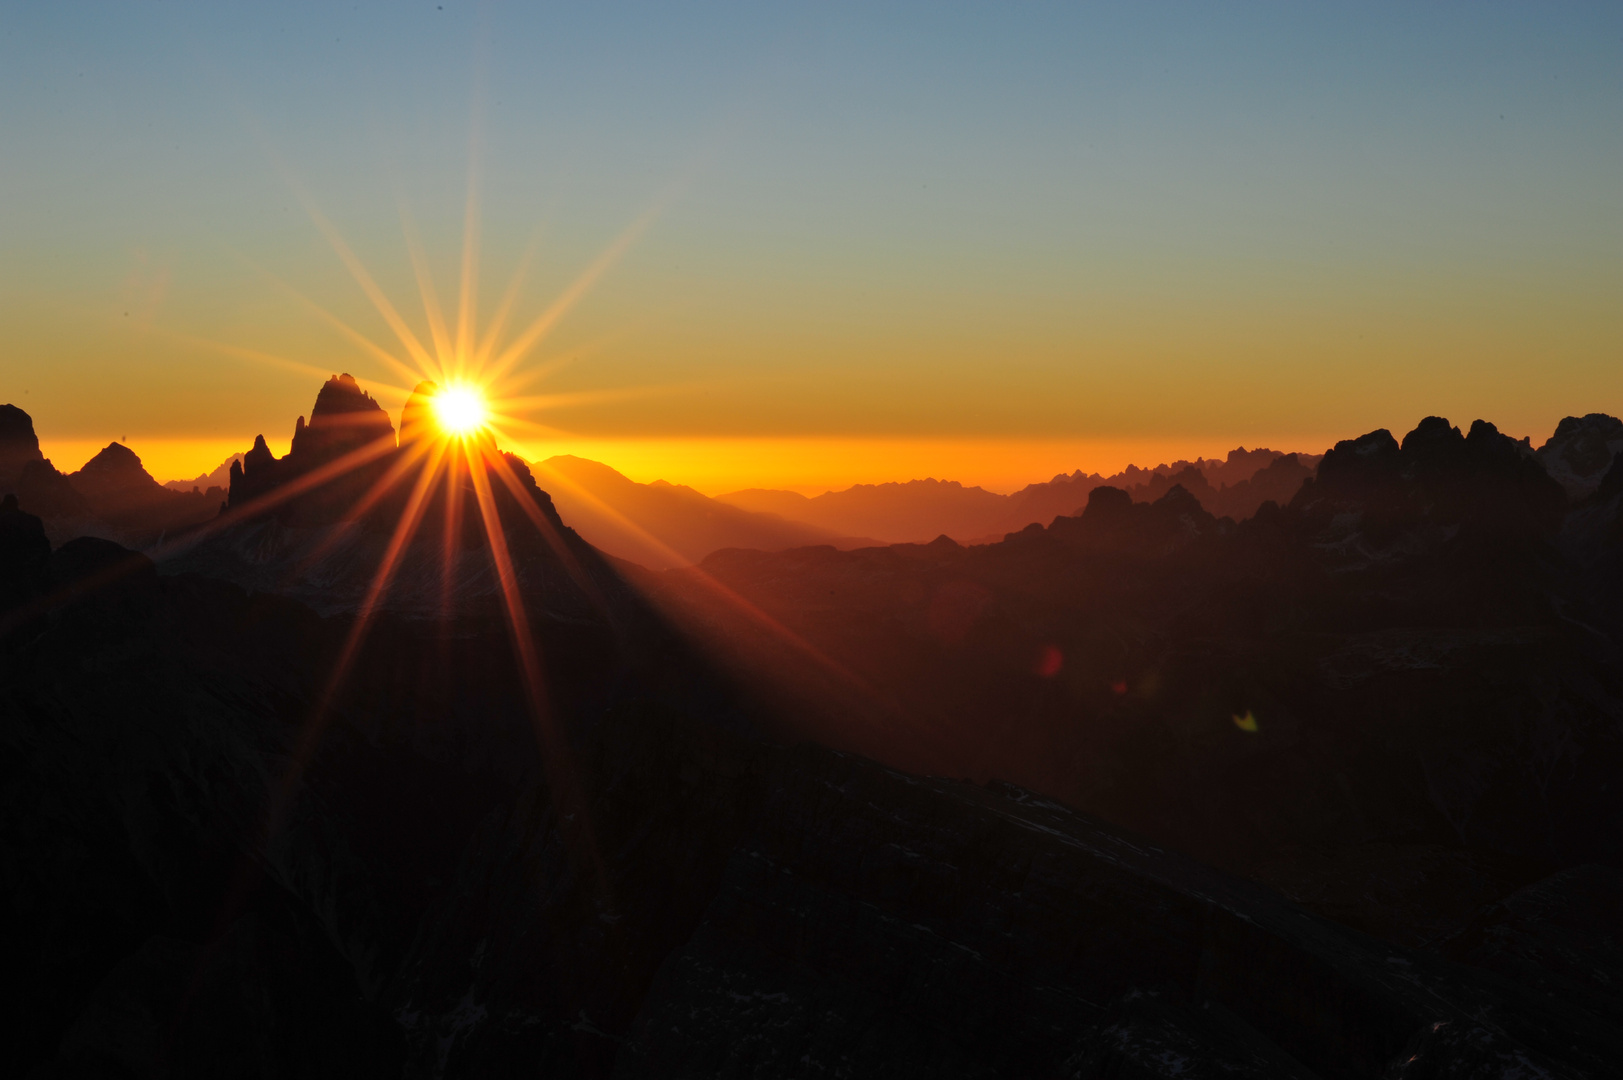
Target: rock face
(349,437)
(25,472)
(18,443)
(344,419)
(1581,450)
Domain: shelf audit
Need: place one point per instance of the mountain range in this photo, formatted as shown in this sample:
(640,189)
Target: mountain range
(920,510)
(111,496)
(219,477)
(1146,790)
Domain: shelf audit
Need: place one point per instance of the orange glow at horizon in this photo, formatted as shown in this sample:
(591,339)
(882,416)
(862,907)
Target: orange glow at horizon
(809,465)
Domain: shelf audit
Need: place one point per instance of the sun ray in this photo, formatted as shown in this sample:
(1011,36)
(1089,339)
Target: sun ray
(577,289)
(565,399)
(453,526)
(725,594)
(554,541)
(240,352)
(367,345)
(409,456)
(508,382)
(568,797)
(425,285)
(315,723)
(467,301)
(487,341)
(362,277)
(317,477)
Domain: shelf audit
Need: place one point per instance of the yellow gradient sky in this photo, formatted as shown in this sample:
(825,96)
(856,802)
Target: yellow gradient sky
(846,245)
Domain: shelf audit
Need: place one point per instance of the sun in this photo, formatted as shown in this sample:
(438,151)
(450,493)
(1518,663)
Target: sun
(460,410)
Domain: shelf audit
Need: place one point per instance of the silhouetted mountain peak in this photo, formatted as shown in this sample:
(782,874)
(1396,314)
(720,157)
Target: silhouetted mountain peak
(1107,504)
(27,474)
(18,443)
(116,473)
(1113,521)
(1432,436)
(259,455)
(1581,451)
(1285,464)
(344,418)
(1354,464)
(1179,499)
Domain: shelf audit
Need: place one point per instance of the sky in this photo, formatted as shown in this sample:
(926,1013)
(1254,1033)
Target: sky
(807,246)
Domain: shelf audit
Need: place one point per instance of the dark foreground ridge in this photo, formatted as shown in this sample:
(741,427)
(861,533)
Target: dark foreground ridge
(220,865)
(712,905)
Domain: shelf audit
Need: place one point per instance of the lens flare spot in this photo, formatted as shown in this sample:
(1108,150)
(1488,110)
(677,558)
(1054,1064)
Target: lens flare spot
(1049,661)
(459,410)
(1246,722)
(1119,687)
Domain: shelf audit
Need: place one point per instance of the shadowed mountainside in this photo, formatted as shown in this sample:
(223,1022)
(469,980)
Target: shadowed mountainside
(1398,695)
(224,860)
(432,890)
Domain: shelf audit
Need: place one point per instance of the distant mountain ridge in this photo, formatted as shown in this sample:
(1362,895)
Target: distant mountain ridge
(112,496)
(920,510)
(661,525)
(218,477)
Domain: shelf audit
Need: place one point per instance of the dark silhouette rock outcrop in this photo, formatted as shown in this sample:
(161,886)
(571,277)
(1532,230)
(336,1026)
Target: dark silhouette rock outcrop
(343,419)
(1581,450)
(27,474)
(18,443)
(115,481)
(349,436)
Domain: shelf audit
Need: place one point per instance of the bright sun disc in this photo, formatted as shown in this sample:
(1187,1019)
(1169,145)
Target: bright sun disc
(459,410)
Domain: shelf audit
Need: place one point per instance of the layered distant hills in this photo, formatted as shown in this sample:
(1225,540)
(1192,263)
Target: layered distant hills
(112,496)
(921,510)
(660,525)
(219,477)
